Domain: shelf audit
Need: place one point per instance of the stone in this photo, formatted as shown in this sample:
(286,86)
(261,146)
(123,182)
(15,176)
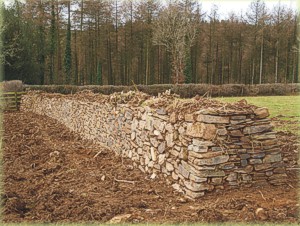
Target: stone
(189,117)
(191,185)
(197,179)
(246,177)
(232,177)
(184,172)
(183,154)
(132,135)
(128,115)
(156,133)
(257,129)
(221,132)
(212,119)
(244,162)
(177,148)
(216,149)
(151,164)
(119,219)
(169,167)
(255,161)
(199,149)
(173,117)
(147,160)
(261,214)
(159,125)
(153,154)
(258,155)
(142,124)
(272,158)
(279,170)
(169,139)
(161,111)
(174,176)
(261,112)
(161,147)
(216,180)
(177,187)
(269,173)
(238,117)
(193,195)
(201,130)
(244,156)
(169,127)
(175,135)
(149,124)
(154,142)
(278,176)
(174,152)
(265,136)
(211,173)
(181,130)
(247,169)
(141,168)
(130,154)
(134,124)
(212,161)
(161,159)
(140,151)
(205,155)
(227,166)
(236,133)
(198,142)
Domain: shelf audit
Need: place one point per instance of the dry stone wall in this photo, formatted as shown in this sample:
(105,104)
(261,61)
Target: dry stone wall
(199,145)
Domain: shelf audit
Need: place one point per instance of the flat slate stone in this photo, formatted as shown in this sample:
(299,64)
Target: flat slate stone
(213,119)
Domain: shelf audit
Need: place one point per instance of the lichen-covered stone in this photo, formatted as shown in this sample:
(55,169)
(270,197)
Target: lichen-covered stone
(272,158)
(201,130)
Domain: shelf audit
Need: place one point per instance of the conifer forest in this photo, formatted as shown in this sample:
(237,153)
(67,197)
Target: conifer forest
(125,42)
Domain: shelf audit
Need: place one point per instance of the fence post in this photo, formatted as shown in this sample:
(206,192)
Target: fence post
(16,100)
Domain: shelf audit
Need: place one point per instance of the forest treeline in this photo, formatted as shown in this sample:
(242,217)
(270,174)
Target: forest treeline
(121,42)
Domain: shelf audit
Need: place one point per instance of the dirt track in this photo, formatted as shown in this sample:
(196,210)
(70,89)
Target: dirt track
(51,175)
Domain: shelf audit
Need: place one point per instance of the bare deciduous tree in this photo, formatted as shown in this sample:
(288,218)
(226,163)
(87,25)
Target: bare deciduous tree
(175,30)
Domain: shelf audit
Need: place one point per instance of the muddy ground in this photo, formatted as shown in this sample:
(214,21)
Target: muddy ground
(51,175)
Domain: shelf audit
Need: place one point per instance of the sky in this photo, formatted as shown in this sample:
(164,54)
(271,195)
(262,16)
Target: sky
(238,6)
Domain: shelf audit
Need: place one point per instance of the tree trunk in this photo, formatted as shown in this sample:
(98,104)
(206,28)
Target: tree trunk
(276,62)
(261,59)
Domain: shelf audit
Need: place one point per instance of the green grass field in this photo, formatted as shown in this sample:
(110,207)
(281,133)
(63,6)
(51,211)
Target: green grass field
(286,108)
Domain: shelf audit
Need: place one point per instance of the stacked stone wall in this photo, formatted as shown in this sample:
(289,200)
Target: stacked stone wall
(198,149)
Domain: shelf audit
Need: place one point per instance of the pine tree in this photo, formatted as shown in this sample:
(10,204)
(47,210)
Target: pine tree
(188,69)
(52,44)
(99,74)
(68,53)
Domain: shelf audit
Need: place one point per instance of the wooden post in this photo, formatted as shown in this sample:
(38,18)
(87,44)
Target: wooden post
(16,99)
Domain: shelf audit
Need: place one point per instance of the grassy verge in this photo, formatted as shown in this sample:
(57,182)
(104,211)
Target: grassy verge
(285,109)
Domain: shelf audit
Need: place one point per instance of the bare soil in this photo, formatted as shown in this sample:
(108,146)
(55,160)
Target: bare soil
(52,175)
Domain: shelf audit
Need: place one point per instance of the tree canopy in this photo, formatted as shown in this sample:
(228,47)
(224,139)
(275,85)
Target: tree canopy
(145,42)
